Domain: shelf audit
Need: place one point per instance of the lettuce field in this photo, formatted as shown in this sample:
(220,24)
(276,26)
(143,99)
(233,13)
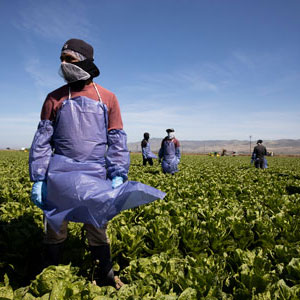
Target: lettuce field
(225,230)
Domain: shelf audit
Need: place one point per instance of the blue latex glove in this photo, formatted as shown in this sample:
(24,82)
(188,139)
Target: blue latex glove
(39,193)
(116,181)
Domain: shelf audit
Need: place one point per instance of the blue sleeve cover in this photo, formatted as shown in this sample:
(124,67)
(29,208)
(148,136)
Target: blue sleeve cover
(161,153)
(117,154)
(253,157)
(40,151)
(177,153)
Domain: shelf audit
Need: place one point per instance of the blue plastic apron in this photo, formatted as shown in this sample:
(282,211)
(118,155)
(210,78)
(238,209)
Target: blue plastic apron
(170,160)
(77,186)
(147,152)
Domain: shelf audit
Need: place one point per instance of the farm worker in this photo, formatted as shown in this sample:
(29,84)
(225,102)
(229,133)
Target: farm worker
(258,155)
(146,151)
(169,153)
(79,160)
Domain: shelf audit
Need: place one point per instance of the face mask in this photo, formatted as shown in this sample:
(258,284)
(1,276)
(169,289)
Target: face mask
(171,135)
(72,73)
(88,66)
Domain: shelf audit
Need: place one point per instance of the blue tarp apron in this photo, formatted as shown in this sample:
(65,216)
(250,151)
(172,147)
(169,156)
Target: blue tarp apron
(170,161)
(147,152)
(78,188)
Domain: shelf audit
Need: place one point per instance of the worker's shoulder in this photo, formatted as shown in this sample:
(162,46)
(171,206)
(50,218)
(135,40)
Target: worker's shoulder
(59,92)
(176,142)
(144,143)
(105,92)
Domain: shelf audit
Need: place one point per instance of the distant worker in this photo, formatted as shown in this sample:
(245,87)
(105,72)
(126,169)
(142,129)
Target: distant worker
(224,152)
(258,155)
(146,151)
(169,153)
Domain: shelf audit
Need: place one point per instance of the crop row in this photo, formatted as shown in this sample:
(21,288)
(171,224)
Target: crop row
(225,230)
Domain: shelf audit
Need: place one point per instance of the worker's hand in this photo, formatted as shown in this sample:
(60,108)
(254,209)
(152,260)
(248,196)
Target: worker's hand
(116,181)
(39,193)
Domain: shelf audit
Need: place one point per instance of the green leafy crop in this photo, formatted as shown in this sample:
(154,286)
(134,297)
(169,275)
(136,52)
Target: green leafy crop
(225,230)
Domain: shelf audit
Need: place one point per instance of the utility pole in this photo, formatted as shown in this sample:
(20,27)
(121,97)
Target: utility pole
(250,144)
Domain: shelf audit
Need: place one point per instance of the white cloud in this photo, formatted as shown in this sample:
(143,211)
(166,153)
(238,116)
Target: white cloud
(43,79)
(244,59)
(204,123)
(273,124)
(195,79)
(54,19)
(212,101)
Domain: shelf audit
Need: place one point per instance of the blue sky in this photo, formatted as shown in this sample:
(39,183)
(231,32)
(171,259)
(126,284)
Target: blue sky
(210,69)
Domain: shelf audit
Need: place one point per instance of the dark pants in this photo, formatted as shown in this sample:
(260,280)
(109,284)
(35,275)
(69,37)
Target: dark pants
(54,242)
(95,236)
(259,163)
(149,160)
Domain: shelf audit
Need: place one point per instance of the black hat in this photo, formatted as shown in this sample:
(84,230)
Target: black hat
(79,46)
(170,130)
(259,142)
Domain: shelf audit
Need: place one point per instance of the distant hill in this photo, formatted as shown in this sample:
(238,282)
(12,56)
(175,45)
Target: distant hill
(283,146)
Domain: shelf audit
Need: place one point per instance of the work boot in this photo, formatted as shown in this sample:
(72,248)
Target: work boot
(105,274)
(53,254)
